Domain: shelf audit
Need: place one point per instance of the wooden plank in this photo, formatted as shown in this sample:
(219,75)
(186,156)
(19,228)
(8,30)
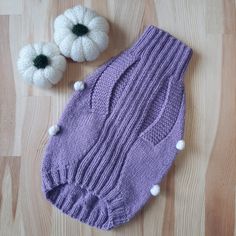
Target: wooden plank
(198,195)
(11,7)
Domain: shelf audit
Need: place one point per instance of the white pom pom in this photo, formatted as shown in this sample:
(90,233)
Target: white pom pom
(180,145)
(53,130)
(79,85)
(155,190)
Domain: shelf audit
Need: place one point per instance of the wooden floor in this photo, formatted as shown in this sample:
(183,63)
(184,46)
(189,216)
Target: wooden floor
(198,196)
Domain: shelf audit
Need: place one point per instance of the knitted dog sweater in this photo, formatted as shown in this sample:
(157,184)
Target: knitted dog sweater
(117,137)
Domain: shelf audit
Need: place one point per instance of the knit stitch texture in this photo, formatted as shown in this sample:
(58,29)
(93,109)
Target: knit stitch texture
(118,136)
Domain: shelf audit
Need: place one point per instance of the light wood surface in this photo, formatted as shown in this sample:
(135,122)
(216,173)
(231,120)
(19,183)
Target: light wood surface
(198,195)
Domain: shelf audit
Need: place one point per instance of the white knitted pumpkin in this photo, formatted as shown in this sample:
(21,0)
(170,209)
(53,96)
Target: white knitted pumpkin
(41,64)
(81,34)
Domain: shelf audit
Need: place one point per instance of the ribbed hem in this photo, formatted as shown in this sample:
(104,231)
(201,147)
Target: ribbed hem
(80,203)
(153,38)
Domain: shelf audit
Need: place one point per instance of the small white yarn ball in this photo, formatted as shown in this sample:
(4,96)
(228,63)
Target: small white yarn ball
(81,34)
(79,85)
(53,130)
(41,64)
(155,190)
(180,145)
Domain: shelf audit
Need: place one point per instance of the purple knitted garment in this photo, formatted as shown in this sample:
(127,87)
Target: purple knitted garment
(118,136)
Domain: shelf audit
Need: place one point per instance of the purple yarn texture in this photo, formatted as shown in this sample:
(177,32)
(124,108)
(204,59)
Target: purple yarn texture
(118,136)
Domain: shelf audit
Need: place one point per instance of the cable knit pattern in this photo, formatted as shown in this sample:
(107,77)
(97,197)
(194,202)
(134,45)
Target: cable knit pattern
(118,136)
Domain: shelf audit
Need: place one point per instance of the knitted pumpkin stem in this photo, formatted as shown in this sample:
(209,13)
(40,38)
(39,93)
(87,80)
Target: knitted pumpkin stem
(80,29)
(41,61)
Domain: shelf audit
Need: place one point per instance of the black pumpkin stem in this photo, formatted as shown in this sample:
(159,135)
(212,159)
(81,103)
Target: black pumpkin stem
(41,61)
(80,29)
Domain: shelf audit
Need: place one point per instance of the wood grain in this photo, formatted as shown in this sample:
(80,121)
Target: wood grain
(198,195)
